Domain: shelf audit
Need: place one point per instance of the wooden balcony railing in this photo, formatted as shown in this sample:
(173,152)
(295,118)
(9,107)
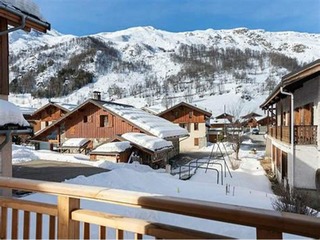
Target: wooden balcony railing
(305,134)
(63,218)
(302,134)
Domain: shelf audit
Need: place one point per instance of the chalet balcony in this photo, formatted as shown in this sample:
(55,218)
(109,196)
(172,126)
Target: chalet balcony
(303,135)
(67,218)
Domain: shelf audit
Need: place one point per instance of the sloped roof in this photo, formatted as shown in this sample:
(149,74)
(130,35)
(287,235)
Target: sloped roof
(224,116)
(142,120)
(155,125)
(196,108)
(112,147)
(63,106)
(293,81)
(15,10)
(151,143)
(251,115)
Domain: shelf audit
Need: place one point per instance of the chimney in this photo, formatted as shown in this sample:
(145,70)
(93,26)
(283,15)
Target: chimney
(97,95)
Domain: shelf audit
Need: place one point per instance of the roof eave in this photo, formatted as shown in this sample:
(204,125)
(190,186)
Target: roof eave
(14,18)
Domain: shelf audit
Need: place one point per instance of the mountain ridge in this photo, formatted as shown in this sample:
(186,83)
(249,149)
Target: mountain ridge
(155,66)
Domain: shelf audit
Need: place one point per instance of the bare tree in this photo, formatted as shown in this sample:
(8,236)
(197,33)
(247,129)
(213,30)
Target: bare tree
(234,132)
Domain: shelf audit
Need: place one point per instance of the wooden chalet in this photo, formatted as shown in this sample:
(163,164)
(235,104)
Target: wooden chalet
(194,120)
(219,127)
(101,121)
(250,120)
(293,134)
(48,114)
(13,16)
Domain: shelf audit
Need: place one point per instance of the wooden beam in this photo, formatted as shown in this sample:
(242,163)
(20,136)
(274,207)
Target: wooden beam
(67,228)
(15,20)
(4,58)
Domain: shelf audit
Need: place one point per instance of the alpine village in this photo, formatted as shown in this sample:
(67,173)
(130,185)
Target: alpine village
(148,134)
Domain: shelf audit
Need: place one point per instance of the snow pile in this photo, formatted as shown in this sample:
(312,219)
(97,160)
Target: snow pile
(11,114)
(150,123)
(150,142)
(75,142)
(116,147)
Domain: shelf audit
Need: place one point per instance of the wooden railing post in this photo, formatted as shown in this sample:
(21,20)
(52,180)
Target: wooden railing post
(268,234)
(67,228)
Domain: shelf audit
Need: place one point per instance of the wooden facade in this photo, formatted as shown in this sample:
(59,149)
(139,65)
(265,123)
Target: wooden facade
(46,115)
(93,121)
(191,118)
(90,120)
(293,132)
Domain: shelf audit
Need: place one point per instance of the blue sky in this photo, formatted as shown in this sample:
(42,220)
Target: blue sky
(84,17)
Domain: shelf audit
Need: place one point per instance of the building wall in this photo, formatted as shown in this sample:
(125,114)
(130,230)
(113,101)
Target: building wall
(45,117)
(189,116)
(196,136)
(76,126)
(307,157)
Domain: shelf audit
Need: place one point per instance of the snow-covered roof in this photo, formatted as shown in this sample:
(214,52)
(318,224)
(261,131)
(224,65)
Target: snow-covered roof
(149,142)
(11,114)
(190,105)
(153,124)
(112,147)
(27,110)
(75,142)
(26,6)
(219,121)
(67,106)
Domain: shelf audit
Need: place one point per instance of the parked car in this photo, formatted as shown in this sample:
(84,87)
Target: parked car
(255,131)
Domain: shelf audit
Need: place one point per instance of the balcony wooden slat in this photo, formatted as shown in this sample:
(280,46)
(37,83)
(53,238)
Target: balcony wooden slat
(14,224)
(25,205)
(52,227)
(138,236)
(139,226)
(39,226)
(102,232)
(26,225)
(119,234)
(3,228)
(86,230)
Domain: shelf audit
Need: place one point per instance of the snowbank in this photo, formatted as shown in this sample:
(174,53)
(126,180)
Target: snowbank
(11,114)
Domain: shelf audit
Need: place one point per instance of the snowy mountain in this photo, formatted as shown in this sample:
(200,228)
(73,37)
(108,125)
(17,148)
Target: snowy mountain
(145,66)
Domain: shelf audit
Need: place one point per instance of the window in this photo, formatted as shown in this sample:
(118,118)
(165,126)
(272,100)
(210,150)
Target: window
(185,126)
(190,114)
(196,126)
(85,119)
(196,141)
(103,120)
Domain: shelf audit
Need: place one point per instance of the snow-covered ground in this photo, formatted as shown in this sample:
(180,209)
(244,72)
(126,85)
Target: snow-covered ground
(248,187)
